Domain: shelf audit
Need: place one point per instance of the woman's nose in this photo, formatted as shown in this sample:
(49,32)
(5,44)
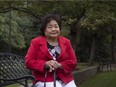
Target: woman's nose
(53,28)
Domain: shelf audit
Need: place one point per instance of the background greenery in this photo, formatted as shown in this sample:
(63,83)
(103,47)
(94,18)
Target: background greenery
(90,25)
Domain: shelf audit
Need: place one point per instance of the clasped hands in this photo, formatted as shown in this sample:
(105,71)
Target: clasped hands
(53,65)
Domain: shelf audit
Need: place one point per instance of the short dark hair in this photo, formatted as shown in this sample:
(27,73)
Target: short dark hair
(46,19)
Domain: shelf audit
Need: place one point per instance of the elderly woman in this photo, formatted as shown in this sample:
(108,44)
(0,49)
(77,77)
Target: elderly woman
(53,53)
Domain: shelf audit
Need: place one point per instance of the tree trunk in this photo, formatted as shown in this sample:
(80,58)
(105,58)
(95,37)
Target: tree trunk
(113,45)
(74,35)
(75,29)
(92,53)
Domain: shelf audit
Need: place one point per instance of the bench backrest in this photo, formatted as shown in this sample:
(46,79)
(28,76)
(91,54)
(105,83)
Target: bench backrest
(11,67)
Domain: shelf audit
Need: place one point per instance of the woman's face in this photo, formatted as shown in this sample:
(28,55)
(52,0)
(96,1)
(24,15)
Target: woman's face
(52,29)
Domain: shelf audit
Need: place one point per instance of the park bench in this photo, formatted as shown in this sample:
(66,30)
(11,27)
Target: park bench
(12,70)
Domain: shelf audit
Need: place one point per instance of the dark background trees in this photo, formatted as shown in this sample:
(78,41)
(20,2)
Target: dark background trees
(90,25)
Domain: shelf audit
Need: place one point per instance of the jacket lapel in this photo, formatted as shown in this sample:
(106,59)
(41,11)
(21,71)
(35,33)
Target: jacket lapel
(62,45)
(43,47)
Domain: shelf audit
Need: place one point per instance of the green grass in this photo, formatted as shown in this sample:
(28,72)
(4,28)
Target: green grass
(14,85)
(81,66)
(103,79)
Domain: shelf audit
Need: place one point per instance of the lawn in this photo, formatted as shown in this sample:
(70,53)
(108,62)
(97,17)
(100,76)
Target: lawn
(17,85)
(103,79)
(14,85)
(81,66)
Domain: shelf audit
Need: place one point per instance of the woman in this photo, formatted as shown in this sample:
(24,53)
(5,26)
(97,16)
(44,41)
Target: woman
(53,54)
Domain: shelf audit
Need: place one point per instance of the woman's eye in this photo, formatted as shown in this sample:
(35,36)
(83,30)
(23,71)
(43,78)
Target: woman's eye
(49,27)
(56,26)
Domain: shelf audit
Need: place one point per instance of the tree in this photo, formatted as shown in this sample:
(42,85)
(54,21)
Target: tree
(95,20)
(83,21)
(20,29)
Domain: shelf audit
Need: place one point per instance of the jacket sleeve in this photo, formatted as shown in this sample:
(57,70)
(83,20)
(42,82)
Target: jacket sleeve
(30,58)
(70,62)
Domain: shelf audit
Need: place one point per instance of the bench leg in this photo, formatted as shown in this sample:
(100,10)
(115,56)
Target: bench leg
(26,83)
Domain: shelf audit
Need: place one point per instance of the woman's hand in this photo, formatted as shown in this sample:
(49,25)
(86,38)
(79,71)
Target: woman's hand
(52,64)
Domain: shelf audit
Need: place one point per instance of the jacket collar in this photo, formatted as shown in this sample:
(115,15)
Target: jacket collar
(44,49)
(43,40)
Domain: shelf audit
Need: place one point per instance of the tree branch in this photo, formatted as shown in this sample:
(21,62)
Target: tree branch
(26,10)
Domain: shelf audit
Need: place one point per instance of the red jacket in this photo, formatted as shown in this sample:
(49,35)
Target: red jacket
(38,54)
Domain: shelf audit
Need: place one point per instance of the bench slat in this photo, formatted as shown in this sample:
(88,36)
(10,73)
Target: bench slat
(13,70)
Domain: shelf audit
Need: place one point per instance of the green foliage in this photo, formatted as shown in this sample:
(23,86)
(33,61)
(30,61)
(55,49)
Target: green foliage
(19,32)
(83,18)
(13,34)
(27,27)
(97,15)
